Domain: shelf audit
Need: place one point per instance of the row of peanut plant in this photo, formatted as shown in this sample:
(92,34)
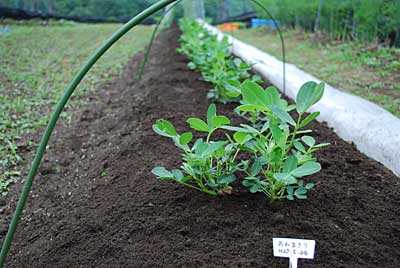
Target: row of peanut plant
(272,153)
(215,61)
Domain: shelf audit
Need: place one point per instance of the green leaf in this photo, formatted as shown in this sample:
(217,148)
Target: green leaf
(245,164)
(263,160)
(212,147)
(276,155)
(165,128)
(220,120)
(185,138)
(233,86)
(251,129)
(302,197)
(238,129)
(162,172)
(309,119)
(309,186)
(276,132)
(255,188)
(290,107)
(274,98)
(197,144)
(252,108)
(290,190)
(240,137)
(191,66)
(256,168)
(265,127)
(248,183)
(198,124)
(306,169)
(211,112)
(283,115)
(299,146)
(254,94)
(309,94)
(310,141)
(227,179)
(300,191)
(212,184)
(177,174)
(285,178)
(290,164)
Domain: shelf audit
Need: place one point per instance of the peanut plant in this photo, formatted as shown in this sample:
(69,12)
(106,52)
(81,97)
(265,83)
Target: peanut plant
(215,61)
(208,166)
(282,153)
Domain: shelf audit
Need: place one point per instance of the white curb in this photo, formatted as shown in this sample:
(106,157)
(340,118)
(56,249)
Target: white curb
(375,131)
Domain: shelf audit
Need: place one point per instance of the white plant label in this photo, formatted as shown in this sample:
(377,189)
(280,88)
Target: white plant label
(293,249)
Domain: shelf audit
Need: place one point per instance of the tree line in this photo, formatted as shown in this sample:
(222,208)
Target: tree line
(107,9)
(364,20)
(218,10)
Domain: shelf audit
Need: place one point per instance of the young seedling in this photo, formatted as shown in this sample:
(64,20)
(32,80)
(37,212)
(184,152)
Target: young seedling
(281,157)
(208,166)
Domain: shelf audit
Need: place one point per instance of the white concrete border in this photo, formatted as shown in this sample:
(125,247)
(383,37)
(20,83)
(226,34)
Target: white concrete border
(375,131)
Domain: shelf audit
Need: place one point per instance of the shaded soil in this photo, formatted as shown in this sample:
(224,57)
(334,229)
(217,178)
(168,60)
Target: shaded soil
(96,204)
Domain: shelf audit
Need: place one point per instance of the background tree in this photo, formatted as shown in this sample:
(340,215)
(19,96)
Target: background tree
(364,20)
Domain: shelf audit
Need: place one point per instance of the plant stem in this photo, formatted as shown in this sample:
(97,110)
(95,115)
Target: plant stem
(296,128)
(190,186)
(236,154)
(209,136)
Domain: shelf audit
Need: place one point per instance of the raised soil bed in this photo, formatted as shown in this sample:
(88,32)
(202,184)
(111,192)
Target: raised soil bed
(96,204)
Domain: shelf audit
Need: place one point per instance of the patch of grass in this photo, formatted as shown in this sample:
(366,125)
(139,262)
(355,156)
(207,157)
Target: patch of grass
(370,72)
(37,62)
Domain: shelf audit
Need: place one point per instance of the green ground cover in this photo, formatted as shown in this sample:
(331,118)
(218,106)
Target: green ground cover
(37,62)
(367,71)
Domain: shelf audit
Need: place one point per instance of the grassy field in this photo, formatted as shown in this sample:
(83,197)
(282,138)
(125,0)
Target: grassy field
(36,63)
(366,71)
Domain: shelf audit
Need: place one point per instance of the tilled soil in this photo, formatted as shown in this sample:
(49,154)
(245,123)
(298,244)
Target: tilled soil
(96,204)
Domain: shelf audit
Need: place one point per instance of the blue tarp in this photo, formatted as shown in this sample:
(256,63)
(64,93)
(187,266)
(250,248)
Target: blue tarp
(263,23)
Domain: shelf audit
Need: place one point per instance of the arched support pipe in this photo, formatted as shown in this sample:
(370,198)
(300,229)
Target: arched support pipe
(265,10)
(153,36)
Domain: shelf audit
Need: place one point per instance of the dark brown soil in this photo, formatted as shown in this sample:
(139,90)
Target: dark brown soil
(96,204)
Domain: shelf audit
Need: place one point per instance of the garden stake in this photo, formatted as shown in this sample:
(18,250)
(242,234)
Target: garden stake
(56,114)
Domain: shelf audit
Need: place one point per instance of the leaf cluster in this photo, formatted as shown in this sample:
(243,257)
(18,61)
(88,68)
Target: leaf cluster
(213,58)
(208,165)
